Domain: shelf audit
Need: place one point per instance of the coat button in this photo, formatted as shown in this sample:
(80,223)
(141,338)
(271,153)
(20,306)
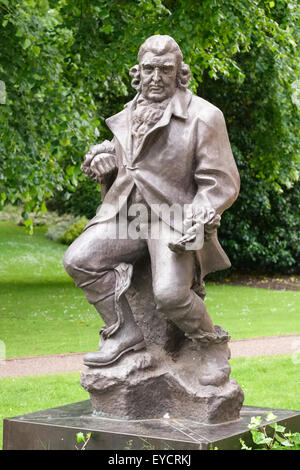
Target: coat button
(131,168)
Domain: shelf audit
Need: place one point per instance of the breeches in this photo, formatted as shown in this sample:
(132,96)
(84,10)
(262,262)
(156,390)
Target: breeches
(92,257)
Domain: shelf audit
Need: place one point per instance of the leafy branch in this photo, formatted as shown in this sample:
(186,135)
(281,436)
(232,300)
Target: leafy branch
(83,438)
(265,439)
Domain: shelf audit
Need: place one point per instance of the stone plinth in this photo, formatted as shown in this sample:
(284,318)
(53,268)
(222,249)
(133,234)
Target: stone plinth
(56,429)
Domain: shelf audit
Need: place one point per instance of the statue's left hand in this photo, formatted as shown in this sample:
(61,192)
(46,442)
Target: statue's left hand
(194,221)
(99,160)
(206,216)
(211,226)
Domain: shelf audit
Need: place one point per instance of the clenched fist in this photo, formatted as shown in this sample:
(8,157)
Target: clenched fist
(99,161)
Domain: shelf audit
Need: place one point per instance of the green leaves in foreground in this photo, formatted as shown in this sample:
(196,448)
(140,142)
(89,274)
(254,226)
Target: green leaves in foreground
(271,436)
(80,437)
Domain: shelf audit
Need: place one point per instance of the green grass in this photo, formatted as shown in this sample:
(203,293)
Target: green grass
(21,395)
(272,382)
(248,312)
(42,312)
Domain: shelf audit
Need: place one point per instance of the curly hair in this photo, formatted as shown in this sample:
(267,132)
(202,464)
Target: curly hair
(161,45)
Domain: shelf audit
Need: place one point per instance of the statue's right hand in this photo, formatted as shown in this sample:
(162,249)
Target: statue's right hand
(102,164)
(106,148)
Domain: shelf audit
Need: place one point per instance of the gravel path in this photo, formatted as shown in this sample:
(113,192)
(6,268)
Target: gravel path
(265,346)
(61,363)
(36,365)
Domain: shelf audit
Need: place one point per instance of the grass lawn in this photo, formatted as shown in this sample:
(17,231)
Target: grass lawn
(42,312)
(270,381)
(21,395)
(267,381)
(249,312)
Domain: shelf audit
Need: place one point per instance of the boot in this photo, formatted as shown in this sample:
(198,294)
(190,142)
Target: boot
(196,323)
(206,350)
(122,336)
(208,343)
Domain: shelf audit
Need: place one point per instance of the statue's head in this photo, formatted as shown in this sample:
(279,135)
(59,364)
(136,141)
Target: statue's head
(160,70)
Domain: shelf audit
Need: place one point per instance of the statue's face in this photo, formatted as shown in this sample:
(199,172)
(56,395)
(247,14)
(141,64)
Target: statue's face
(158,76)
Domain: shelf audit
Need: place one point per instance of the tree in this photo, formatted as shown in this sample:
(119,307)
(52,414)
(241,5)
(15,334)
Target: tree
(65,66)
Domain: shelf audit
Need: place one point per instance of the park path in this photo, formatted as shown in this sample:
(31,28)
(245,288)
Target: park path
(62,363)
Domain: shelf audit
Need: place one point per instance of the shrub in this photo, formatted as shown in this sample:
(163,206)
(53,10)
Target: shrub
(81,202)
(271,436)
(56,231)
(11,213)
(15,214)
(74,231)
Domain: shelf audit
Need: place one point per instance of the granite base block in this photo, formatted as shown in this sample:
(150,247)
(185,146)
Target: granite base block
(56,428)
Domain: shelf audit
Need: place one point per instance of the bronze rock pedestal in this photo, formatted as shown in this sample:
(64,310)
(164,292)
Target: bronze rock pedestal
(173,376)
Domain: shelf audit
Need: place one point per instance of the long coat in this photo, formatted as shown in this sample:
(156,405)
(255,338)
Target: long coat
(185,158)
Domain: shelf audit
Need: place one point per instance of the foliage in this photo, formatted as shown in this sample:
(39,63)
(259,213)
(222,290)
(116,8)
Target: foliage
(263,234)
(278,439)
(65,227)
(80,437)
(45,118)
(13,214)
(84,201)
(57,230)
(74,231)
(64,65)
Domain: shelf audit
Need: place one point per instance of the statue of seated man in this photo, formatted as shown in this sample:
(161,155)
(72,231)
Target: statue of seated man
(170,149)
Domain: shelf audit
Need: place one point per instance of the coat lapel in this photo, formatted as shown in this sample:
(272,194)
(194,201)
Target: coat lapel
(120,124)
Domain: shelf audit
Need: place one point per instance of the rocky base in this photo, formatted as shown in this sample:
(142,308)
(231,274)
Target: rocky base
(173,376)
(193,384)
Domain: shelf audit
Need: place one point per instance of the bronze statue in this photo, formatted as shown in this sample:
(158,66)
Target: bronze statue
(170,149)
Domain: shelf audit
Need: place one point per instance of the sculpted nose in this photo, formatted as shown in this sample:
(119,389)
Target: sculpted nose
(156,75)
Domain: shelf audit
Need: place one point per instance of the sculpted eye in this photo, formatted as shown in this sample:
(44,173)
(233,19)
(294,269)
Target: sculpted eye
(167,69)
(148,68)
